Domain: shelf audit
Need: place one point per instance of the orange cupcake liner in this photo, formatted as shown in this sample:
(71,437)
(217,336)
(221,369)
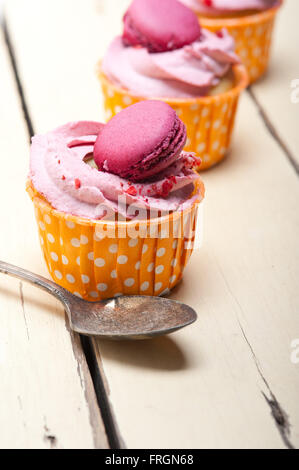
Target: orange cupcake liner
(98,260)
(253,36)
(209,120)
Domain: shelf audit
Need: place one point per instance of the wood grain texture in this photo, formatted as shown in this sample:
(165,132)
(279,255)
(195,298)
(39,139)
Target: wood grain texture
(278,92)
(47,398)
(227,381)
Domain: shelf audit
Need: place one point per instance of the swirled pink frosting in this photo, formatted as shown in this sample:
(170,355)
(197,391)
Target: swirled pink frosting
(190,71)
(211,7)
(59,172)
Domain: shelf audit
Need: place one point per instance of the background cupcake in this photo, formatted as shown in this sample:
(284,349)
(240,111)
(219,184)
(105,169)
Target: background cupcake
(116,205)
(250,22)
(164,54)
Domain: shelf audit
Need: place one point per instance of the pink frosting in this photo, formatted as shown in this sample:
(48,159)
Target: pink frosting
(58,172)
(182,73)
(226,6)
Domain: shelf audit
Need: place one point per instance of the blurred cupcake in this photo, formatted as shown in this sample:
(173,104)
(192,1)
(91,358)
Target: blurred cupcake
(116,205)
(164,54)
(250,22)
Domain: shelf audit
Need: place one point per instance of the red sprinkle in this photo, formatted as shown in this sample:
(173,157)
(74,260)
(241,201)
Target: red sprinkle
(77,183)
(219,33)
(58,162)
(63,178)
(132,191)
(208,3)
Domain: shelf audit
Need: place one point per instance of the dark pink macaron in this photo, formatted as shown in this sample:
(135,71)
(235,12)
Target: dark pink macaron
(140,141)
(160,25)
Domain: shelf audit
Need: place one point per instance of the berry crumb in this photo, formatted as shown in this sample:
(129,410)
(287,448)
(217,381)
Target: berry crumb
(77,183)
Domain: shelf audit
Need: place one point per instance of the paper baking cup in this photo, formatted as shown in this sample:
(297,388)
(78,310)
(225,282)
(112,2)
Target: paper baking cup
(97,260)
(253,36)
(209,120)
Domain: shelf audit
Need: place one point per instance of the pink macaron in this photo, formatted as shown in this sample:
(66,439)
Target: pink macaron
(140,141)
(160,25)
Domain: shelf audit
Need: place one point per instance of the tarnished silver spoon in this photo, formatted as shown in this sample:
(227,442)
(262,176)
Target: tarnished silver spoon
(125,317)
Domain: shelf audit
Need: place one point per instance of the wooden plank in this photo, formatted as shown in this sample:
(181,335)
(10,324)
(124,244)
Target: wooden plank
(47,398)
(278,92)
(226,381)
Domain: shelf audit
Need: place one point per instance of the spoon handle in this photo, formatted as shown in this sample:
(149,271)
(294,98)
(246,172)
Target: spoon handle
(34,279)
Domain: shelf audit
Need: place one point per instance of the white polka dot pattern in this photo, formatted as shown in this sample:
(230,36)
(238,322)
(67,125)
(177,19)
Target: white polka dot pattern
(150,267)
(54,256)
(158,286)
(50,238)
(85,279)
(129,282)
(83,240)
(133,242)
(99,262)
(75,242)
(159,269)
(70,224)
(161,252)
(102,287)
(58,274)
(144,286)
(70,278)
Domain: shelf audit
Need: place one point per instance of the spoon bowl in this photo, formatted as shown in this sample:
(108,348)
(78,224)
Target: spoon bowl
(120,318)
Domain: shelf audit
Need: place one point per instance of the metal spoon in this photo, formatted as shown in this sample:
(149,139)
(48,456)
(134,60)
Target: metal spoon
(125,317)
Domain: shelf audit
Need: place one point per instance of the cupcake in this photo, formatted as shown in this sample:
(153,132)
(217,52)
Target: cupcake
(116,204)
(164,54)
(250,22)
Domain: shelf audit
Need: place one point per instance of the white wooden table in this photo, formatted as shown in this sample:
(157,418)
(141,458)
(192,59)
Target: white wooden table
(232,379)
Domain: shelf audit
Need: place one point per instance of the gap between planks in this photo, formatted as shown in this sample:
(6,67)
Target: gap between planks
(89,346)
(273,131)
(281,418)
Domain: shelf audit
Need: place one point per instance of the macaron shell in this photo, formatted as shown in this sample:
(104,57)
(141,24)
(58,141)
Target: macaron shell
(160,25)
(141,132)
